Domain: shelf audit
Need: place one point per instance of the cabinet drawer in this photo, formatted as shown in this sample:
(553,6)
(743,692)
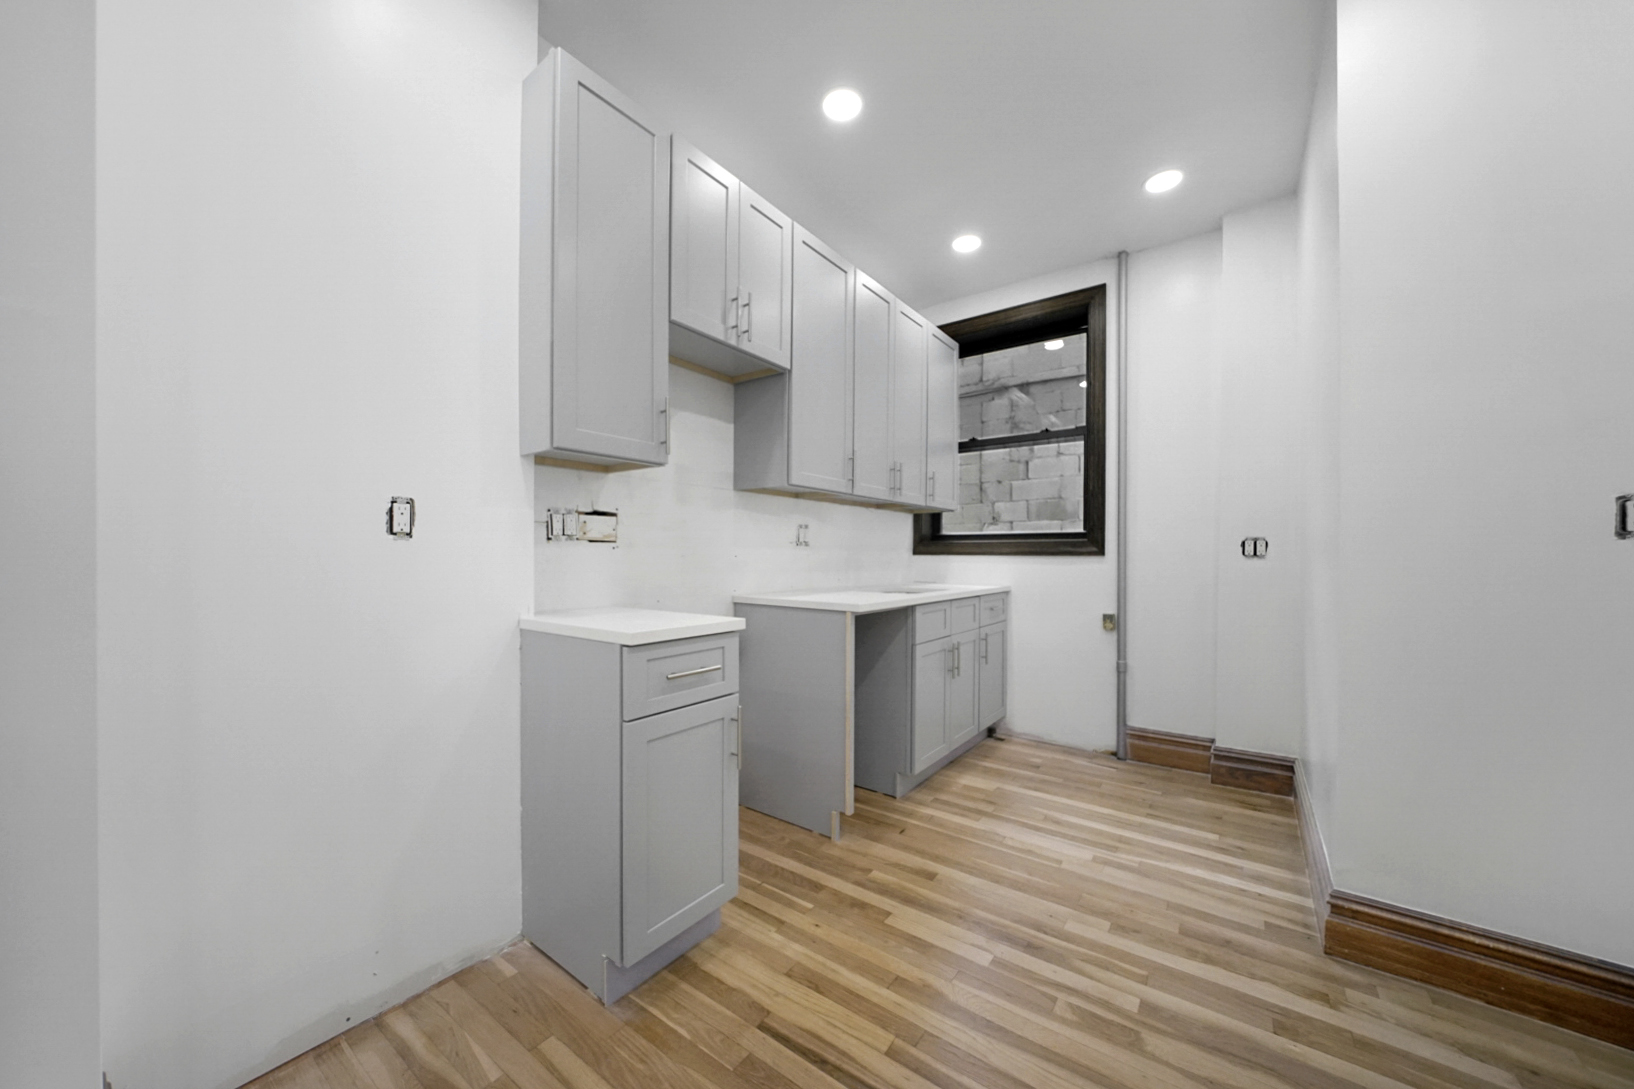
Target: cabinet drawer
(664,676)
(995,607)
(945,618)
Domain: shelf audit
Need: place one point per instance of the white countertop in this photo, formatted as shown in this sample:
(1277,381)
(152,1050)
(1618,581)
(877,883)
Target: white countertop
(868,599)
(629,627)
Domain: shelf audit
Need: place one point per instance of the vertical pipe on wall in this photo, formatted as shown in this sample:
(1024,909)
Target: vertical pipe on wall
(1123,505)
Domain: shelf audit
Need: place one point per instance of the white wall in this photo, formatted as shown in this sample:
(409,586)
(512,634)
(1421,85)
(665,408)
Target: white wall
(1318,307)
(1488,613)
(687,541)
(308,282)
(1174,443)
(48,849)
(1215,421)
(1260,629)
(1063,665)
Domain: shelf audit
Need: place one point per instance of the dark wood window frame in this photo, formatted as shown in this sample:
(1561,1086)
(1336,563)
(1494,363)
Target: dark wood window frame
(1059,316)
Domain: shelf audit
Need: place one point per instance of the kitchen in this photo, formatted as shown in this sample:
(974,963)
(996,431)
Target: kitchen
(283,796)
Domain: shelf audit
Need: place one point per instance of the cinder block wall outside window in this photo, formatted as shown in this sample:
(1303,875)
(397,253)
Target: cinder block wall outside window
(1021,489)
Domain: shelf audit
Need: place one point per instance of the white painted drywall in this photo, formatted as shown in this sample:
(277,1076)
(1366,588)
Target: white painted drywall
(688,541)
(1260,623)
(48,847)
(1174,437)
(1216,423)
(1488,613)
(1063,664)
(308,304)
(1318,306)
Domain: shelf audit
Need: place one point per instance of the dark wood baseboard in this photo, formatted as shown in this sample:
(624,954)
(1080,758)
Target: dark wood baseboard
(1586,995)
(1252,771)
(1228,767)
(1594,997)
(1170,750)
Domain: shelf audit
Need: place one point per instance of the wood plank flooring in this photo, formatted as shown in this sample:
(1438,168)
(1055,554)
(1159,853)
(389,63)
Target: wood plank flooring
(1032,916)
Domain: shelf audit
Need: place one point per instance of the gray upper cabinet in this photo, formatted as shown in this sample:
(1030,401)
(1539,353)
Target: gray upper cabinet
(793,430)
(875,465)
(907,400)
(765,281)
(731,270)
(704,203)
(860,395)
(942,423)
(594,271)
(820,385)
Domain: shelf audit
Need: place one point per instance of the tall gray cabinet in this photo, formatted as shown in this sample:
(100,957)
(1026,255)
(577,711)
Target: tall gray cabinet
(942,422)
(594,271)
(630,757)
(793,431)
(908,407)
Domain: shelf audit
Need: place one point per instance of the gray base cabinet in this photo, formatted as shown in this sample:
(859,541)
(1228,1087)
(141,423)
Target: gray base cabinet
(928,683)
(630,761)
(993,651)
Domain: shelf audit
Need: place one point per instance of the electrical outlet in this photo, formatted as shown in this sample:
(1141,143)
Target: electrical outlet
(400,517)
(1255,548)
(802,535)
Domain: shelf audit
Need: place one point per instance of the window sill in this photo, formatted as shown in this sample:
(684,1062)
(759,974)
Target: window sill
(927,543)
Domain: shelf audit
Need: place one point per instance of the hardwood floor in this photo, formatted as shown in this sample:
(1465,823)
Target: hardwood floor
(1032,916)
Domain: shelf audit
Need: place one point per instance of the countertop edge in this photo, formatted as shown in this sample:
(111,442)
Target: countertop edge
(783,601)
(721,626)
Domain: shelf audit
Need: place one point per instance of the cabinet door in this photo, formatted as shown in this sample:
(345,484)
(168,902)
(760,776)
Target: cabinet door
(820,386)
(610,340)
(994,649)
(704,209)
(680,817)
(874,470)
(908,406)
(932,668)
(765,279)
(962,683)
(942,423)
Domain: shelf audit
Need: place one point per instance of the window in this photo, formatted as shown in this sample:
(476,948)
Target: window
(1032,432)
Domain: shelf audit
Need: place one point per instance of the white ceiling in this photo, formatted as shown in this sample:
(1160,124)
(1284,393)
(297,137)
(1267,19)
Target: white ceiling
(1032,123)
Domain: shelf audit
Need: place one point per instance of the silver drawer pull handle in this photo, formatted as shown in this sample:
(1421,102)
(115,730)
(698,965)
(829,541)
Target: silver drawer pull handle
(691,672)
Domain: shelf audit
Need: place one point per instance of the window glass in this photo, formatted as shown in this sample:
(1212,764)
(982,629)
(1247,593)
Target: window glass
(1024,390)
(1031,430)
(1020,489)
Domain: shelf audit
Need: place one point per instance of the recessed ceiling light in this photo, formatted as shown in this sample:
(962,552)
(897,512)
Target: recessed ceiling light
(1163,181)
(842,104)
(1054,345)
(966,243)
